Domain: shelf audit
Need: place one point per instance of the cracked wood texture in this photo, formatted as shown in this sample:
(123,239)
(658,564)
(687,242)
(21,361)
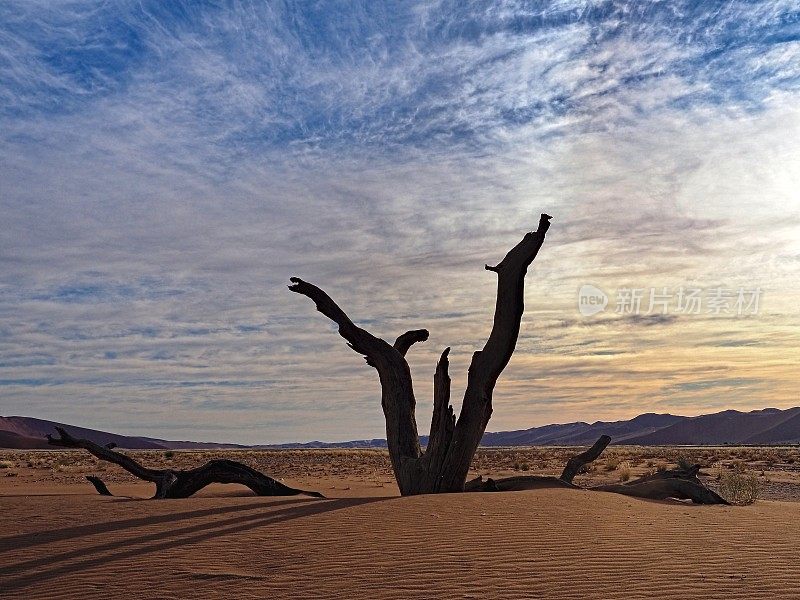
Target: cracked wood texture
(444,465)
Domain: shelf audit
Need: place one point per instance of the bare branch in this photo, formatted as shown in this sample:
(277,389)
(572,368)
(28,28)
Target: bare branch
(99,485)
(181,484)
(509,305)
(409,338)
(663,489)
(520,483)
(576,462)
(103,453)
(443,420)
(397,391)
(682,484)
(358,339)
(486,365)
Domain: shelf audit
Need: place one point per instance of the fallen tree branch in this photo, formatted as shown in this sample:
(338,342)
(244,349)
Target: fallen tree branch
(179,483)
(577,462)
(664,489)
(681,484)
(99,485)
(519,483)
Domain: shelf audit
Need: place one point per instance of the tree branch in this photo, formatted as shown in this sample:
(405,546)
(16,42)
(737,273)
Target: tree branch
(99,485)
(443,420)
(409,338)
(126,462)
(229,471)
(397,392)
(497,351)
(359,339)
(682,484)
(181,484)
(519,483)
(487,364)
(575,463)
(663,489)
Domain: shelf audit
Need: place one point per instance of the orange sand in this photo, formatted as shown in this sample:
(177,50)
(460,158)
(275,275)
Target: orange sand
(67,542)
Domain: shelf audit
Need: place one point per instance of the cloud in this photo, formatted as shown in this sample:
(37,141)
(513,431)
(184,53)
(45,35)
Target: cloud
(164,167)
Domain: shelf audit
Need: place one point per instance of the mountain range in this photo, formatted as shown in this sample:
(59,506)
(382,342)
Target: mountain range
(27,432)
(758,427)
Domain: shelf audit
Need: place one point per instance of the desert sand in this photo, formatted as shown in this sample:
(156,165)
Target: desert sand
(60,539)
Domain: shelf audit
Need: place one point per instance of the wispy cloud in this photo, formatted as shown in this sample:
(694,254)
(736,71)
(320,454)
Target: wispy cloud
(164,167)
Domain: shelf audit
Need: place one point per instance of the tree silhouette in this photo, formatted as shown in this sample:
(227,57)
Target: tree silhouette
(444,464)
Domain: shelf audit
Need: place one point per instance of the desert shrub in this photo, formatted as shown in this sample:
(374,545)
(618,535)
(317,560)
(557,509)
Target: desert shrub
(738,466)
(739,487)
(661,467)
(624,472)
(685,462)
(612,463)
(169,454)
(525,467)
(6,464)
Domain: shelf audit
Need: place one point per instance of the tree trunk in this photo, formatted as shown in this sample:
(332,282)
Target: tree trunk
(444,465)
(177,483)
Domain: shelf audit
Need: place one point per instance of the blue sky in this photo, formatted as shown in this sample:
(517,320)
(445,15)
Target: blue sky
(165,167)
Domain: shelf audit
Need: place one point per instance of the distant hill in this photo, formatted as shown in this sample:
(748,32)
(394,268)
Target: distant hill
(27,432)
(580,433)
(9,439)
(767,426)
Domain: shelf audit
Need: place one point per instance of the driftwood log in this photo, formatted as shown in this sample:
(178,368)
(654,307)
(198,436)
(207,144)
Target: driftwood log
(444,465)
(681,484)
(171,483)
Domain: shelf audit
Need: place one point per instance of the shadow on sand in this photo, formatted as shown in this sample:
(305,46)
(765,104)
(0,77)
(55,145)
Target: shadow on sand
(62,563)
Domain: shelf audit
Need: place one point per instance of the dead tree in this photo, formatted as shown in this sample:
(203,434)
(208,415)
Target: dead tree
(444,464)
(171,483)
(682,484)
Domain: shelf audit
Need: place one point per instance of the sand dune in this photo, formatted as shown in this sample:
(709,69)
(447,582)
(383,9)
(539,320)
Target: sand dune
(543,544)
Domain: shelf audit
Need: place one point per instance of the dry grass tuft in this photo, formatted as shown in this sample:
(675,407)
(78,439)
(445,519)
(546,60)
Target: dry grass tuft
(739,487)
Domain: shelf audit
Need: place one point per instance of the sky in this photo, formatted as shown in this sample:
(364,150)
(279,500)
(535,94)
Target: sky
(165,167)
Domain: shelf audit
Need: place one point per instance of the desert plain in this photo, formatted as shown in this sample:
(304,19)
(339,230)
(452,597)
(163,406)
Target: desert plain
(60,539)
